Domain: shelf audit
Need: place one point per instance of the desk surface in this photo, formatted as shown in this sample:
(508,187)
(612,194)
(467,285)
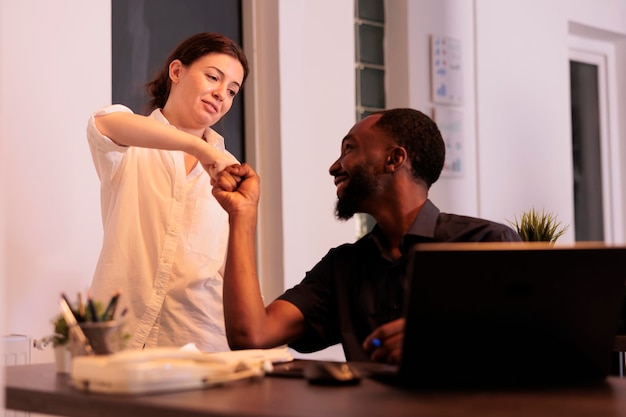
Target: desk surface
(39,389)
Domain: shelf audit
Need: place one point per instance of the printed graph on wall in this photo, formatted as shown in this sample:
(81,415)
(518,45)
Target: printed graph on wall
(446,70)
(450,122)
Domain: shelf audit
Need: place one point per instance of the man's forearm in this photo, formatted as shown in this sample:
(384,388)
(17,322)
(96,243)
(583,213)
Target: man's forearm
(244,311)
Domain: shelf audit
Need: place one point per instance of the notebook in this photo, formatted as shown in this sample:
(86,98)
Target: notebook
(511,314)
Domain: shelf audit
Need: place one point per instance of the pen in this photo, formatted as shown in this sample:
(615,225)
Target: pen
(110,310)
(92,309)
(81,308)
(376,342)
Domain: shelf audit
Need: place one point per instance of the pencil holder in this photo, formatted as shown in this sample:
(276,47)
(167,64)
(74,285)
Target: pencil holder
(105,337)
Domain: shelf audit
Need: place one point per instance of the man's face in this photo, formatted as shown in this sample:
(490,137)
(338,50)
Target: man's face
(358,170)
(362,183)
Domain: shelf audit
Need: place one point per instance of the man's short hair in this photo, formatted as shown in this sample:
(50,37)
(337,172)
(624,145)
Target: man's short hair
(420,136)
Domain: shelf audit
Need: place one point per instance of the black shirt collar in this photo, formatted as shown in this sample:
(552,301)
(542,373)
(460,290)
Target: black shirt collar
(422,229)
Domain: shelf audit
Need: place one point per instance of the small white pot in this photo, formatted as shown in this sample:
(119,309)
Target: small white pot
(63,359)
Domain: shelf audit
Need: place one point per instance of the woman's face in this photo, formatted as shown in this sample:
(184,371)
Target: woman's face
(204,91)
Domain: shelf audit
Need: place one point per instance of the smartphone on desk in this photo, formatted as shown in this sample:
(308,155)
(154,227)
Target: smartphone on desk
(293,369)
(318,372)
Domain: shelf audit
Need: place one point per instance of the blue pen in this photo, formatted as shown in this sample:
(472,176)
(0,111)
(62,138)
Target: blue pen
(376,342)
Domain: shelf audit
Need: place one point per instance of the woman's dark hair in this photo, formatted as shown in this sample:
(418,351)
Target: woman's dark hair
(188,51)
(420,136)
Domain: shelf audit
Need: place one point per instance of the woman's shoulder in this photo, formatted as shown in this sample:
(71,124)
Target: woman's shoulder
(112,108)
(95,138)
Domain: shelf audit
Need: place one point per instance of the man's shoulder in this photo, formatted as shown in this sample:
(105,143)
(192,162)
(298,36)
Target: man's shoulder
(456,227)
(463,219)
(350,248)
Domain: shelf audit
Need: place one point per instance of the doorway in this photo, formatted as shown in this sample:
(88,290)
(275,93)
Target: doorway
(595,143)
(586,152)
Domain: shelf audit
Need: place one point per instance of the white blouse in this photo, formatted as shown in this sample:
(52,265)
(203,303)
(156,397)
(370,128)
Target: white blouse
(164,243)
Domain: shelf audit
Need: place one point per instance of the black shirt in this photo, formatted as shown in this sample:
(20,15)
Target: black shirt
(353,289)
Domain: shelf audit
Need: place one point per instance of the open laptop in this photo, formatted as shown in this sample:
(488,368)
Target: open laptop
(511,314)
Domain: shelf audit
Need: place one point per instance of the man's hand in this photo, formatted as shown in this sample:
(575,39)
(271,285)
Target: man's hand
(386,341)
(237,188)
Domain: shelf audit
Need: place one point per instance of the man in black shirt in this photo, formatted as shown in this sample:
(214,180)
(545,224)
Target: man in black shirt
(354,295)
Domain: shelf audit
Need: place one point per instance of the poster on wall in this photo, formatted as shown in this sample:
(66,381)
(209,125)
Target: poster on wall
(446,82)
(450,122)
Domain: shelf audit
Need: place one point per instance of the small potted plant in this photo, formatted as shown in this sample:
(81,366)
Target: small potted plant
(535,226)
(60,340)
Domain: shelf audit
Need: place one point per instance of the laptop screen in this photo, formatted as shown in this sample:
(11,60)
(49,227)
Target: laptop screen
(511,314)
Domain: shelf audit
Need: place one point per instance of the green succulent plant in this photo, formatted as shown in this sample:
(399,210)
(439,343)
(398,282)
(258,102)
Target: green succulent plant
(535,226)
(60,337)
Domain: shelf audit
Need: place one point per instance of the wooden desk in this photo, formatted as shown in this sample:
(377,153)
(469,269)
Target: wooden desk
(37,388)
(620,347)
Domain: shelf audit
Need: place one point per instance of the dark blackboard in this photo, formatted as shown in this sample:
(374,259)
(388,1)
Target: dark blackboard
(144,34)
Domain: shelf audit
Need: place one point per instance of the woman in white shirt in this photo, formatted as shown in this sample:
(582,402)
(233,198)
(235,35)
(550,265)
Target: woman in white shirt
(165,235)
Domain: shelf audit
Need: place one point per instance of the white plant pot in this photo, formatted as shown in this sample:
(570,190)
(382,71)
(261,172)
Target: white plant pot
(63,359)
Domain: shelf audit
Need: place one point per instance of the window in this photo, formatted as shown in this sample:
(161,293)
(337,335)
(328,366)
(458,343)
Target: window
(369,26)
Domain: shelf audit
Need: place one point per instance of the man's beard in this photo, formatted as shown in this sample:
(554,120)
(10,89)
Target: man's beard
(362,184)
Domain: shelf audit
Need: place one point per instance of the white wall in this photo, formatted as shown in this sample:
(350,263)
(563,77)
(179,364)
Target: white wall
(304,97)
(408,67)
(516,116)
(3,199)
(523,113)
(55,69)
(317,109)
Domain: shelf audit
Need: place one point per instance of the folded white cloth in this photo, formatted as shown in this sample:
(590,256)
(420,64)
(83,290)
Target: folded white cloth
(169,369)
(190,351)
